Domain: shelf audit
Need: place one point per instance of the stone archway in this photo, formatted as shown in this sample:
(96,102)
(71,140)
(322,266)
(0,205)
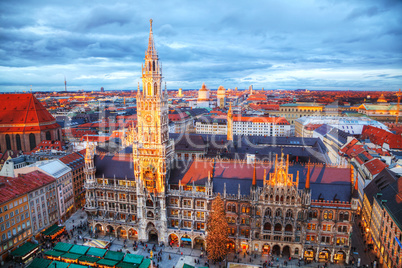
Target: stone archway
(324,255)
(340,256)
(266,249)
(121,232)
(231,246)
(276,250)
(152,233)
(173,240)
(132,234)
(286,252)
(110,230)
(99,229)
(199,243)
(153,236)
(186,241)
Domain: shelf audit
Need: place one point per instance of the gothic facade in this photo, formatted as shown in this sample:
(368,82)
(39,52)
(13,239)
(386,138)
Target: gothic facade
(279,207)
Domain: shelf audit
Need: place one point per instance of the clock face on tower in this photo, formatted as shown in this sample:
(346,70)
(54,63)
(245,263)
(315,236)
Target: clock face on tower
(148,118)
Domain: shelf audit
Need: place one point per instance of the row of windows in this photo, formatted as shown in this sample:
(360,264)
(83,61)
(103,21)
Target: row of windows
(329,215)
(10,243)
(13,204)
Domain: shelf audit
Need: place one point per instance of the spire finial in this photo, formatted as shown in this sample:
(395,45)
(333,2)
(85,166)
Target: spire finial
(150,22)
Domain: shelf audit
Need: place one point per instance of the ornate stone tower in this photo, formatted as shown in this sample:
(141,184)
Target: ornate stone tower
(152,150)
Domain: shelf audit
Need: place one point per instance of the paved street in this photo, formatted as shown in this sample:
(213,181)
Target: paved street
(179,256)
(358,243)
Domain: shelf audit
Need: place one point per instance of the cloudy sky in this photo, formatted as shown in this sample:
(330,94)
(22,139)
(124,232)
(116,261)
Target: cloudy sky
(325,44)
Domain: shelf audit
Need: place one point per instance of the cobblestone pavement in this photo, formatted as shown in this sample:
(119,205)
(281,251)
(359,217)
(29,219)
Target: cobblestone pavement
(178,256)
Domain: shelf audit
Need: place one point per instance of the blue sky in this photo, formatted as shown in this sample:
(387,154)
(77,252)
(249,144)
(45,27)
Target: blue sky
(326,44)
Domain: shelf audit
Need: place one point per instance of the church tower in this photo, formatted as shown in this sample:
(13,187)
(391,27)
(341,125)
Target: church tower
(152,149)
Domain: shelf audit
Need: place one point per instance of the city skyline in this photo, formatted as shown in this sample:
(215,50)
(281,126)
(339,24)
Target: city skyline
(315,45)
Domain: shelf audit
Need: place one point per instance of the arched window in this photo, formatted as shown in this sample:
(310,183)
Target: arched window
(48,136)
(325,215)
(150,63)
(300,215)
(267,226)
(346,216)
(288,228)
(330,215)
(277,198)
(18,142)
(149,203)
(153,66)
(32,141)
(278,227)
(289,213)
(8,142)
(268,212)
(278,213)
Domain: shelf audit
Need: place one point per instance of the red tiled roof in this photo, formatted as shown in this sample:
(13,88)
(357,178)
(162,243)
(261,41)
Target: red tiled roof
(24,109)
(74,160)
(312,126)
(95,138)
(177,116)
(375,166)
(380,137)
(14,187)
(50,145)
(347,147)
(352,149)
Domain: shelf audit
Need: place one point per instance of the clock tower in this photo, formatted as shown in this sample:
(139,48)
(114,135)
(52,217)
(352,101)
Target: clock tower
(152,149)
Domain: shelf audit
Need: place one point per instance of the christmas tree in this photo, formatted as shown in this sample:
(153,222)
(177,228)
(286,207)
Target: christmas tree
(217,231)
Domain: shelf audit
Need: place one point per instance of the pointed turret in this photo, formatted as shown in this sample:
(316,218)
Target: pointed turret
(307,186)
(254,183)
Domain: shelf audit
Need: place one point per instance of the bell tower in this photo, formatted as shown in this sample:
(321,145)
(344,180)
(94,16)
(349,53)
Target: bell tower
(152,149)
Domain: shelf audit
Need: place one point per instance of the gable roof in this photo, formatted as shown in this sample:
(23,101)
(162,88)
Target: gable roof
(380,137)
(383,179)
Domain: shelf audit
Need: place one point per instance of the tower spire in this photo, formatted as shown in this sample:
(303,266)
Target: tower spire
(151,51)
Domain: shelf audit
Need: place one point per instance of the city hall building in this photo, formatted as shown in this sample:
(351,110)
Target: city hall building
(278,206)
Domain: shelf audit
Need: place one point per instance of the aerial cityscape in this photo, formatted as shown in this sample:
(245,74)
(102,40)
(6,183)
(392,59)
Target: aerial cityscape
(243,150)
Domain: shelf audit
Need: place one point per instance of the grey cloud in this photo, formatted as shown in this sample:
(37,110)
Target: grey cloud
(212,41)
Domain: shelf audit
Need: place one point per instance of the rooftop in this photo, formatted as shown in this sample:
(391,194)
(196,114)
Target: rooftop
(12,188)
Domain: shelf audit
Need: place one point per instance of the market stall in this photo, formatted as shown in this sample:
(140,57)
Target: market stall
(25,252)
